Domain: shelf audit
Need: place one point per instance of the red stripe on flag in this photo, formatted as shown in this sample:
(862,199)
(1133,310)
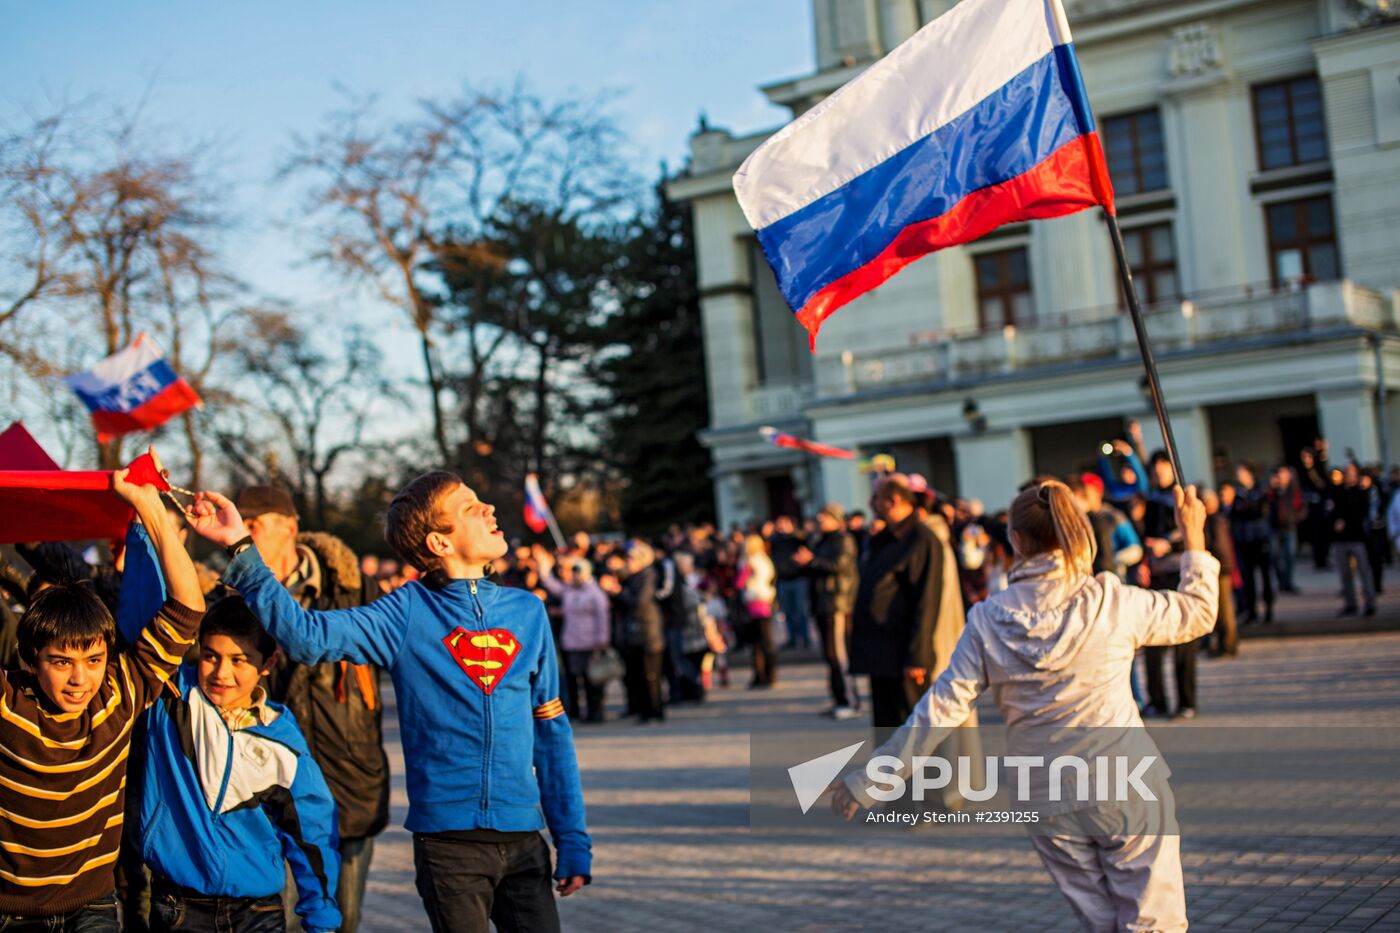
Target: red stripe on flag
(1063,184)
(174,399)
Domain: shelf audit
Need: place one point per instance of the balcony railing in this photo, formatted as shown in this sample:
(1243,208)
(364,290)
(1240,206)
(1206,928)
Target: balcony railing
(1204,319)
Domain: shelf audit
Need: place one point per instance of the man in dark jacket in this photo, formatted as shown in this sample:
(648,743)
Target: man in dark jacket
(1249,523)
(1351,508)
(831,565)
(792,583)
(643,633)
(901,579)
(336,704)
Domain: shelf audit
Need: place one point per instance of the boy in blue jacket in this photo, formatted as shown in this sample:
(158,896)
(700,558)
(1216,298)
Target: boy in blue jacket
(488,752)
(231,790)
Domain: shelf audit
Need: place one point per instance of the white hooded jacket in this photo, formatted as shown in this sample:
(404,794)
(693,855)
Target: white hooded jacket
(1057,653)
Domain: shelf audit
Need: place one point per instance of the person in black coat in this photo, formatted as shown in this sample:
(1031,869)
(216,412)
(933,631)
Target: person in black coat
(896,606)
(644,637)
(831,565)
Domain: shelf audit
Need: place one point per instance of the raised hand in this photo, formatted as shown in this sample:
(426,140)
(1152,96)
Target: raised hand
(1191,519)
(138,495)
(216,519)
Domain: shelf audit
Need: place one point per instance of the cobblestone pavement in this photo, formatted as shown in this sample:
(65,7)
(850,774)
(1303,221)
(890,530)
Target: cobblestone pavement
(667,807)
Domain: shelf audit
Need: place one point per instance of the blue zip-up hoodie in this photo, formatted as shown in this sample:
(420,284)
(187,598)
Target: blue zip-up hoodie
(236,847)
(485,739)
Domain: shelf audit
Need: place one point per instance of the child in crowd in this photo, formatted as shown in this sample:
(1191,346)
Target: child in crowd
(1055,648)
(487,747)
(66,732)
(230,791)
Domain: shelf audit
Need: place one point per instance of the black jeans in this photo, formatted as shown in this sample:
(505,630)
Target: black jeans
(98,916)
(833,628)
(174,908)
(576,673)
(466,885)
(759,634)
(1253,558)
(1184,657)
(892,699)
(644,684)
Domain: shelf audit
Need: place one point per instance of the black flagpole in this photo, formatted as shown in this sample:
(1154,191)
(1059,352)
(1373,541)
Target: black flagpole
(1154,385)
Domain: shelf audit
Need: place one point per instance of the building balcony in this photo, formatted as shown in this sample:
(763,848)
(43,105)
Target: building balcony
(1203,323)
(779,402)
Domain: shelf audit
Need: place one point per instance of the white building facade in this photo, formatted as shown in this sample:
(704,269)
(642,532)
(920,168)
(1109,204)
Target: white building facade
(1255,150)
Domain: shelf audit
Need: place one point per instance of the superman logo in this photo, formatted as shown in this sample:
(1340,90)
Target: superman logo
(485,656)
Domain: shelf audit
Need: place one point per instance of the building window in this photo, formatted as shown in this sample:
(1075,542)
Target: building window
(1003,288)
(1137,157)
(1151,253)
(1303,241)
(1288,123)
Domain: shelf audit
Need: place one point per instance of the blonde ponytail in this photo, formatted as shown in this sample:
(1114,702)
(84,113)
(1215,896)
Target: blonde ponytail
(1045,518)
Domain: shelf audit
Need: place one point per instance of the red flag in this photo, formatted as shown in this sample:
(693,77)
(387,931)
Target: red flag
(67,505)
(20,451)
(779,439)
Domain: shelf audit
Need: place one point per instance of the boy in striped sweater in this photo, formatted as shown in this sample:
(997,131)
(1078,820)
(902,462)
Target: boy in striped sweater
(65,732)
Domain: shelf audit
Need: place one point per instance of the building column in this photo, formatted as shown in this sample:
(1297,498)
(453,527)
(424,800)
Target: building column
(733,503)
(993,465)
(1191,428)
(1347,419)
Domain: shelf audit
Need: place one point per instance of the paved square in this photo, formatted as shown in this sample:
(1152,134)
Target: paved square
(667,806)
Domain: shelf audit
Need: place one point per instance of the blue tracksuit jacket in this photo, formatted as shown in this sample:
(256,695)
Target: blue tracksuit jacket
(238,852)
(485,739)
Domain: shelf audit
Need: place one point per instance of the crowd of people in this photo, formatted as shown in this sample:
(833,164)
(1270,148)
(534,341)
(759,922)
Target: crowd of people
(276,715)
(884,595)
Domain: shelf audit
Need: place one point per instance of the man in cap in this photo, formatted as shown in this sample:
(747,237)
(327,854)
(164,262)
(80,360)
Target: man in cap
(831,565)
(337,704)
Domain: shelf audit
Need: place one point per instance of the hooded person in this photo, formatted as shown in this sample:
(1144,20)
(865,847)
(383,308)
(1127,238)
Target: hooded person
(1056,648)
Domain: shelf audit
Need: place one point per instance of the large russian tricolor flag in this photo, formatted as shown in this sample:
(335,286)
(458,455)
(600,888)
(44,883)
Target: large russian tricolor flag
(977,120)
(133,390)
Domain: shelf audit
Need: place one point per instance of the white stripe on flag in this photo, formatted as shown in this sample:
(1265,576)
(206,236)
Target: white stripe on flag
(958,59)
(117,368)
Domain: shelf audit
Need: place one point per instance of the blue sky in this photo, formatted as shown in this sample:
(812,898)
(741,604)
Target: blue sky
(250,74)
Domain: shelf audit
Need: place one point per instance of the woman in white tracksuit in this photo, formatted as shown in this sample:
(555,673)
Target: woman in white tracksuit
(1057,649)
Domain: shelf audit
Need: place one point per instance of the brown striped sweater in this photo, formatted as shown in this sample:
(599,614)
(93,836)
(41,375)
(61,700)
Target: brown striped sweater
(63,775)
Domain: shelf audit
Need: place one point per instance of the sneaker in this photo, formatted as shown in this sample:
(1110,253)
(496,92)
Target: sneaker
(842,713)
(1186,712)
(1348,611)
(1369,612)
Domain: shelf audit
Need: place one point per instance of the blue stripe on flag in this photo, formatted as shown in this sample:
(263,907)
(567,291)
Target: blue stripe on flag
(135,391)
(1004,135)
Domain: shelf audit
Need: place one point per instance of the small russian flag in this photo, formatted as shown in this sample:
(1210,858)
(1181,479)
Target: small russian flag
(536,508)
(133,390)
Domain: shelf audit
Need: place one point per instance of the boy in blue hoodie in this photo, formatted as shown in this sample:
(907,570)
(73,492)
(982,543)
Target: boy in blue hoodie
(488,751)
(231,790)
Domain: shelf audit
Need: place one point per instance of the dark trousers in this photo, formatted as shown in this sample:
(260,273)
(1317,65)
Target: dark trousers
(644,683)
(466,885)
(576,675)
(1226,635)
(1253,558)
(759,634)
(892,699)
(98,916)
(1184,657)
(175,908)
(833,626)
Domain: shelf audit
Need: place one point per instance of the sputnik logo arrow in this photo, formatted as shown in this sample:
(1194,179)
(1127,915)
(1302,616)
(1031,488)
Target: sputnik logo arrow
(810,778)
